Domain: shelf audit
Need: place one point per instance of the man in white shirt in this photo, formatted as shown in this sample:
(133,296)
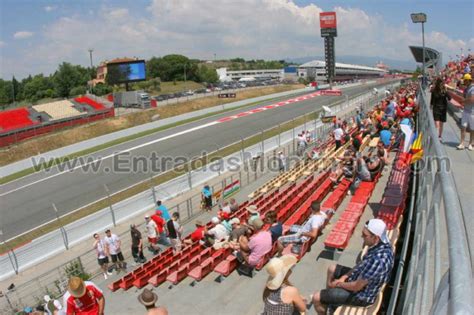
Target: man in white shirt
(309,230)
(113,242)
(102,253)
(338,133)
(219,231)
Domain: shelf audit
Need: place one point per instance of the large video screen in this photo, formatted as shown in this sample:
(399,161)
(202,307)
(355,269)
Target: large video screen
(124,72)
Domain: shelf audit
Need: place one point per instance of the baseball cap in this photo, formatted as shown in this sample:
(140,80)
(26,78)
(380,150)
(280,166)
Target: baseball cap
(215,220)
(379,228)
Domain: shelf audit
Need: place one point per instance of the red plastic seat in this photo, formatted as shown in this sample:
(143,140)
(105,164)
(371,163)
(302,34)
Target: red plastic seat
(350,216)
(346,227)
(337,240)
(226,266)
(127,282)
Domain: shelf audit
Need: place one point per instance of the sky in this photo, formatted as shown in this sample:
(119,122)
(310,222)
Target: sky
(37,35)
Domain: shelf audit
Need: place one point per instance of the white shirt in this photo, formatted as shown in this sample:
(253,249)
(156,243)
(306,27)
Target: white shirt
(151,229)
(338,133)
(219,232)
(226,209)
(113,242)
(100,248)
(315,222)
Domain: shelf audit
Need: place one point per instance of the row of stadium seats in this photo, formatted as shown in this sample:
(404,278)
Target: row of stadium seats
(15,119)
(90,102)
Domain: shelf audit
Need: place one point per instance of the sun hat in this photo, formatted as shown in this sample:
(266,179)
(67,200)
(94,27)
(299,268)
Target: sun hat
(147,297)
(379,228)
(215,220)
(252,209)
(277,268)
(76,287)
(257,223)
(467,76)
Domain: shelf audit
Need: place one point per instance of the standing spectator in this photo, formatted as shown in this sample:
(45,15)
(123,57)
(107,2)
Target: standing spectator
(467,120)
(137,244)
(338,134)
(113,243)
(279,296)
(152,233)
(359,286)
(174,231)
(282,163)
(206,198)
(160,228)
(234,206)
(83,298)
(102,253)
(148,299)
(439,103)
(164,211)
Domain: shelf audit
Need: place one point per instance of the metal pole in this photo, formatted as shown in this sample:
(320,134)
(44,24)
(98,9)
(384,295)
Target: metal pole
(61,228)
(110,205)
(423,84)
(13,261)
(152,188)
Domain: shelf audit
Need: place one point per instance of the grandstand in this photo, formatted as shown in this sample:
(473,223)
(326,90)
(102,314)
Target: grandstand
(28,122)
(58,110)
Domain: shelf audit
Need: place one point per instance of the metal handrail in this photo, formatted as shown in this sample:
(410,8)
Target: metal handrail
(425,291)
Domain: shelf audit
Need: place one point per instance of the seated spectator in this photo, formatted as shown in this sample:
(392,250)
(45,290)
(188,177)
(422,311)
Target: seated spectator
(276,228)
(362,175)
(279,296)
(254,214)
(385,135)
(360,285)
(238,230)
(217,234)
(148,299)
(309,230)
(234,206)
(253,250)
(198,234)
(382,153)
(224,213)
(374,165)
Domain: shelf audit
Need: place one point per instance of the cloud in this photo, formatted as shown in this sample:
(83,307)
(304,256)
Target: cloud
(257,29)
(50,8)
(22,35)
(2,43)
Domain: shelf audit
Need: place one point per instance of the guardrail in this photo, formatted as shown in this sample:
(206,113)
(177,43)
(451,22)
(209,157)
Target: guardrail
(439,275)
(71,234)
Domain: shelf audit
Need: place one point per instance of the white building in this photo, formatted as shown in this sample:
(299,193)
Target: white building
(316,69)
(249,75)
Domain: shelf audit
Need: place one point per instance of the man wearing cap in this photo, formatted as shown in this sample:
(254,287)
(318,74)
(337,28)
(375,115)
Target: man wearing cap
(161,228)
(137,244)
(360,285)
(219,232)
(83,298)
(238,230)
(148,299)
(254,214)
(467,120)
(198,234)
(260,243)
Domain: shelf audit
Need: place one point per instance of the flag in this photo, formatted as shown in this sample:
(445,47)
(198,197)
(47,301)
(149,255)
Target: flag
(416,148)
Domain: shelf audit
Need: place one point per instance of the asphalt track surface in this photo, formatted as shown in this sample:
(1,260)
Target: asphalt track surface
(27,202)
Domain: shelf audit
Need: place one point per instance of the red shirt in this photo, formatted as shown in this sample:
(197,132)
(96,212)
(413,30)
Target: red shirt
(86,305)
(160,222)
(197,234)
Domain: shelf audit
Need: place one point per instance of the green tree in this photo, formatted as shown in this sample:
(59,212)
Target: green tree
(67,77)
(78,90)
(101,89)
(205,74)
(37,88)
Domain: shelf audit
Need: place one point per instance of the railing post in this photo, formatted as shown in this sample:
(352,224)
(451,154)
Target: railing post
(110,205)
(61,228)
(11,257)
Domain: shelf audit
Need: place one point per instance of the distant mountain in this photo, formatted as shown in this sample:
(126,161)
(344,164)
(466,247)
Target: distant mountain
(361,60)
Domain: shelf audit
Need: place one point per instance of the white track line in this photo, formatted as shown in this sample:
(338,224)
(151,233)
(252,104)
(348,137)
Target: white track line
(113,154)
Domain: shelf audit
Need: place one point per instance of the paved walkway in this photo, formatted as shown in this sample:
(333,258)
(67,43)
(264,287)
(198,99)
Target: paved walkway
(462,166)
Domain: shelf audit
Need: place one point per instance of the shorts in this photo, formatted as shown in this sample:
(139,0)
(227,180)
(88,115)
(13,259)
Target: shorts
(118,256)
(176,244)
(293,238)
(152,240)
(467,121)
(103,261)
(339,296)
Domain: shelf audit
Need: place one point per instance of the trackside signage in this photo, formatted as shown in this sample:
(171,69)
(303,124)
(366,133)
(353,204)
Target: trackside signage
(331,92)
(328,24)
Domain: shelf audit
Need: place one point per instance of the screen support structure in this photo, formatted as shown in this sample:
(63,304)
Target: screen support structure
(330,58)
